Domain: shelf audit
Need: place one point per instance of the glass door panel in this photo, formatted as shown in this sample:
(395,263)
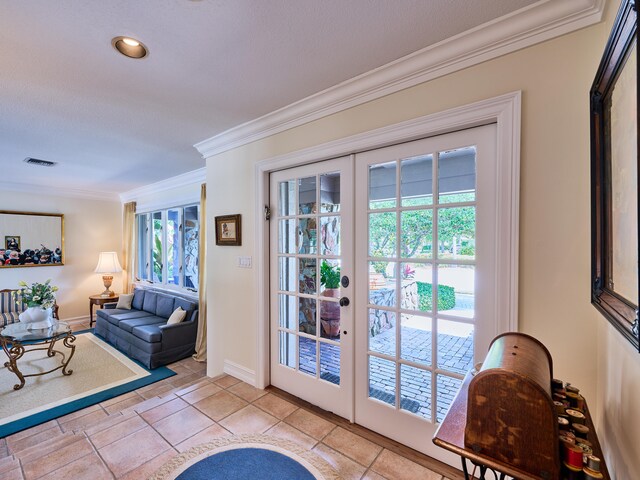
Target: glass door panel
(310,239)
(418,215)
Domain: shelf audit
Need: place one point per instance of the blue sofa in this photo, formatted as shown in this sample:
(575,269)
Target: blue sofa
(142,332)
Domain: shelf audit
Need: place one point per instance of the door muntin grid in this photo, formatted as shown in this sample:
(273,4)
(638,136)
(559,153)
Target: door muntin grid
(309,249)
(421,237)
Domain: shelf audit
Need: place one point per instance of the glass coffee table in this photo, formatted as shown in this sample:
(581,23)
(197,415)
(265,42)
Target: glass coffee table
(17,338)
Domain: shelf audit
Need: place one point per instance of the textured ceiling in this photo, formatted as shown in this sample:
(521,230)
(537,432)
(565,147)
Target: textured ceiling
(115,124)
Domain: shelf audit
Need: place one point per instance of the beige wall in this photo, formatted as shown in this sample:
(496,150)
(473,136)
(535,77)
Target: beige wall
(91,227)
(554,279)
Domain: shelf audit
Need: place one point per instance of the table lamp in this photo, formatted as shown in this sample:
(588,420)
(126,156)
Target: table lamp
(108,263)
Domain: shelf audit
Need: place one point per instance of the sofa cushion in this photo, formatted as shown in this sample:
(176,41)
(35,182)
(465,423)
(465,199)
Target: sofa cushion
(177,316)
(164,305)
(115,313)
(148,333)
(187,305)
(138,299)
(150,302)
(129,324)
(125,301)
(129,314)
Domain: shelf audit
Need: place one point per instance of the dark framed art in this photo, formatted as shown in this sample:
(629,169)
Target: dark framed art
(615,281)
(12,242)
(228,230)
(31,239)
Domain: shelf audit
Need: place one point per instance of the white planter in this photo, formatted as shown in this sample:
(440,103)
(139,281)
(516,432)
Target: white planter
(37,318)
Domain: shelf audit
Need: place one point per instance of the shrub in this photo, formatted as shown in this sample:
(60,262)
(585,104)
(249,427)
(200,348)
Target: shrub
(467,250)
(446,297)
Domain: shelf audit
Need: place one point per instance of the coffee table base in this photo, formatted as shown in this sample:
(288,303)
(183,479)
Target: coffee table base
(15,350)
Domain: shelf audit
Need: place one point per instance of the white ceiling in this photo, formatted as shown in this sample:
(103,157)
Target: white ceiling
(115,124)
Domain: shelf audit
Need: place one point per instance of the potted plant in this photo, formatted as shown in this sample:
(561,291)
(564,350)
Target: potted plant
(330,311)
(39,298)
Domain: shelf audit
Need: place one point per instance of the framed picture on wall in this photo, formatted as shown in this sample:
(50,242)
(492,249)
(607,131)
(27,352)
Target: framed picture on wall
(228,230)
(12,242)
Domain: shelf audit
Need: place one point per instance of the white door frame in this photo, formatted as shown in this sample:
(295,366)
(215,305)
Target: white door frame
(504,110)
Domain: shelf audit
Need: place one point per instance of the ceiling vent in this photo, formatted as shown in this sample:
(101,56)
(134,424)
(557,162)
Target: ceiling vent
(40,163)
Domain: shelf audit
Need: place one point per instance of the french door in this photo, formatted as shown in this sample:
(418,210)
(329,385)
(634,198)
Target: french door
(310,266)
(425,258)
(415,241)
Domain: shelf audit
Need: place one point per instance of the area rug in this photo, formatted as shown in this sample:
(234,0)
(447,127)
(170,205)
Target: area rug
(100,372)
(242,457)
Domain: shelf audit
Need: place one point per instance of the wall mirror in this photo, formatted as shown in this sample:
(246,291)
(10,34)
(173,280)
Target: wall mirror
(31,239)
(614,178)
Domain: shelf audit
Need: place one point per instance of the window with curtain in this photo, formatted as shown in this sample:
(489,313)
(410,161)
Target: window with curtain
(167,249)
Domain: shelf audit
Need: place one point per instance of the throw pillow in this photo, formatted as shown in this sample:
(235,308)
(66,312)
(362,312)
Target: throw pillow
(177,316)
(124,301)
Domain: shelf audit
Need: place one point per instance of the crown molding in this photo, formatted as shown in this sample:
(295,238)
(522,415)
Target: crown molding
(59,191)
(194,176)
(528,26)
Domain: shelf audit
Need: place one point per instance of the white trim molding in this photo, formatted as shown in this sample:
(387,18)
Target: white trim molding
(59,191)
(504,110)
(240,372)
(194,176)
(528,26)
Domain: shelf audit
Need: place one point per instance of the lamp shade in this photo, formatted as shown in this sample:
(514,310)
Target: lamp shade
(108,263)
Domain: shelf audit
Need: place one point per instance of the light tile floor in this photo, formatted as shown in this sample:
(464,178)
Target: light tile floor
(131,436)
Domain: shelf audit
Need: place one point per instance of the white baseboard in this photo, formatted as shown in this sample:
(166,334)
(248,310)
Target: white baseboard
(240,372)
(81,319)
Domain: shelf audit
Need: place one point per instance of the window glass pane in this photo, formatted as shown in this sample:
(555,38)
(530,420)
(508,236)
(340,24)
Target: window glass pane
(330,363)
(447,390)
(330,234)
(287,311)
(173,247)
(287,200)
(307,236)
(330,192)
(382,284)
(287,236)
(382,380)
(191,222)
(415,391)
(456,290)
(457,175)
(158,259)
(382,234)
(382,332)
(455,346)
(330,319)
(416,291)
(457,233)
(287,274)
(307,278)
(417,234)
(382,185)
(307,315)
(330,278)
(416,187)
(308,355)
(307,196)
(415,339)
(143,246)
(287,349)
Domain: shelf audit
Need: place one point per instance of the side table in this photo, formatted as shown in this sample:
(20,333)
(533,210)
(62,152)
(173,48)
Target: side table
(17,339)
(99,300)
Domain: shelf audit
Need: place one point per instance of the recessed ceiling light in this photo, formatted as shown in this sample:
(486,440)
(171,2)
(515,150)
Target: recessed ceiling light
(130,47)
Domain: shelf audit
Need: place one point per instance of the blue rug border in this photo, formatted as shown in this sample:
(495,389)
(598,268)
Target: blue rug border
(156,375)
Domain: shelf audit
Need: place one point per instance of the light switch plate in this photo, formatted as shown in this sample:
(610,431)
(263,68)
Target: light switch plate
(244,262)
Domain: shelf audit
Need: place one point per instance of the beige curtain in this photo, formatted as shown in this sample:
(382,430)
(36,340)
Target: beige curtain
(128,246)
(201,339)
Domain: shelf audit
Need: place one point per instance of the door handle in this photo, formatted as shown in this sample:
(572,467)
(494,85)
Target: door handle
(344,302)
